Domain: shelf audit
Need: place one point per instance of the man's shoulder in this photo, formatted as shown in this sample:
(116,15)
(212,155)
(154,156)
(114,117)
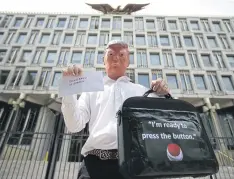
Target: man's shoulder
(138,86)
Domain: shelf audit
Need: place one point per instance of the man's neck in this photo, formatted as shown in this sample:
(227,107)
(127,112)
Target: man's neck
(114,77)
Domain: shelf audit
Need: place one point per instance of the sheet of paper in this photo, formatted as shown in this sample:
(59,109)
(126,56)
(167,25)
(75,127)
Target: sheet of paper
(90,81)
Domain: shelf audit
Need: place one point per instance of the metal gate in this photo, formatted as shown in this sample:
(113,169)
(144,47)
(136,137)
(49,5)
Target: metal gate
(34,143)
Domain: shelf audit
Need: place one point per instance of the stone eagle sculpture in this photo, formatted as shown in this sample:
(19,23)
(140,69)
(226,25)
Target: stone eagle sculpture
(107,9)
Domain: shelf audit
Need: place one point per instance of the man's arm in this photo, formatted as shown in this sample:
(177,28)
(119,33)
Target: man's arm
(76,112)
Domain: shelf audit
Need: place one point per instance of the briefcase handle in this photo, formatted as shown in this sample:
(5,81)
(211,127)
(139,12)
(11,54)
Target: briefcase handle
(167,96)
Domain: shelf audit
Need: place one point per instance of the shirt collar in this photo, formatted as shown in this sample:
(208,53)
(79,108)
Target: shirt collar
(122,78)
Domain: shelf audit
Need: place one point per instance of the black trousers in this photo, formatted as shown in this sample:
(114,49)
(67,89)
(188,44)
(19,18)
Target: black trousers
(96,168)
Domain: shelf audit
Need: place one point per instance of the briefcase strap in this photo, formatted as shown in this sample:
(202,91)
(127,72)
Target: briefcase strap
(167,96)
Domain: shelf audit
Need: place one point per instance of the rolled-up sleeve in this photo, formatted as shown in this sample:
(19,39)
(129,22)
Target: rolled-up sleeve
(76,113)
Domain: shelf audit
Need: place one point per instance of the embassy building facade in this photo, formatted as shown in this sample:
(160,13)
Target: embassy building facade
(195,55)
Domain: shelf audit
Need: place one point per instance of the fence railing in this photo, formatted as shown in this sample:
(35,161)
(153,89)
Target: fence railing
(56,154)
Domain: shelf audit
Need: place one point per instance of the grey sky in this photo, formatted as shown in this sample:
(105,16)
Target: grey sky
(157,7)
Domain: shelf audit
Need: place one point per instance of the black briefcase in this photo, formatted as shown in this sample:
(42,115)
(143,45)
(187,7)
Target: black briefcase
(160,138)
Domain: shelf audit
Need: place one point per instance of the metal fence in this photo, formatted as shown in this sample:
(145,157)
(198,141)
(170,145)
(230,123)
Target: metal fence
(55,154)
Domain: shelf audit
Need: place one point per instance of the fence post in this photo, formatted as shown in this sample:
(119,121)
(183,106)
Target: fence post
(53,149)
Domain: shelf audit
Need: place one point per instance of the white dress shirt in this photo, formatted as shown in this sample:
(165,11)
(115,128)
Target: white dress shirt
(99,109)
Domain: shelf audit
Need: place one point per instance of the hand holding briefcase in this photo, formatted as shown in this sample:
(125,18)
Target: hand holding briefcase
(160,137)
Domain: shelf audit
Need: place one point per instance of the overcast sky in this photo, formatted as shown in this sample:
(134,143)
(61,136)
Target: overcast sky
(157,7)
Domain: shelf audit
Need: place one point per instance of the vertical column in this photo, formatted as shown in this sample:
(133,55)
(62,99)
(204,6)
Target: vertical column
(64,152)
(214,117)
(43,134)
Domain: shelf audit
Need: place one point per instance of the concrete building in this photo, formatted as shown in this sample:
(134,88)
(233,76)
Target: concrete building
(194,54)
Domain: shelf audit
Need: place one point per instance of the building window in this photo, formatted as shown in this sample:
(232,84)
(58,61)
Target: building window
(116,37)
(200,41)
(130,74)
(30,78)
(164,40)
(131,57)
(63,57)
(100,57)
(195,25)
(172,25)
(37,59)
(140,40)
(188,41)
(213,81)
(105,23)
(217,26)
(156,74)
(212,42)
(61,22)
(33,37)
(17,77)
(6,21)
(24,126)
(2,55)
(180,59)
(89,58)
(205,25)
(21,38)
(26,56)
(92,39)
(51,56)
(152,39)
(224,42)
(228,26)
(150,24)
(28,22)
(143,79)
(128,24)
(139,24)
(172,81)
(50,23)
(128,38)
(56,79)
(94,23)
(231,60)
(72,23)
(200,82)
(186,81)
(44,38)
(3,76)
(56,37)
(40,22)
(117,24)
(142,59)
(14,53)
(155,59)
(176,41)
(10,37)
(193,59)
(102,70)
(183,24)
(228,84)
(167,59)
(68,38)
(80,39)
(206,60)
(1,36)
(76,57)
(18,22)
(45,78)
(83,23)
(219,60)
(104,38)
(161,24)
